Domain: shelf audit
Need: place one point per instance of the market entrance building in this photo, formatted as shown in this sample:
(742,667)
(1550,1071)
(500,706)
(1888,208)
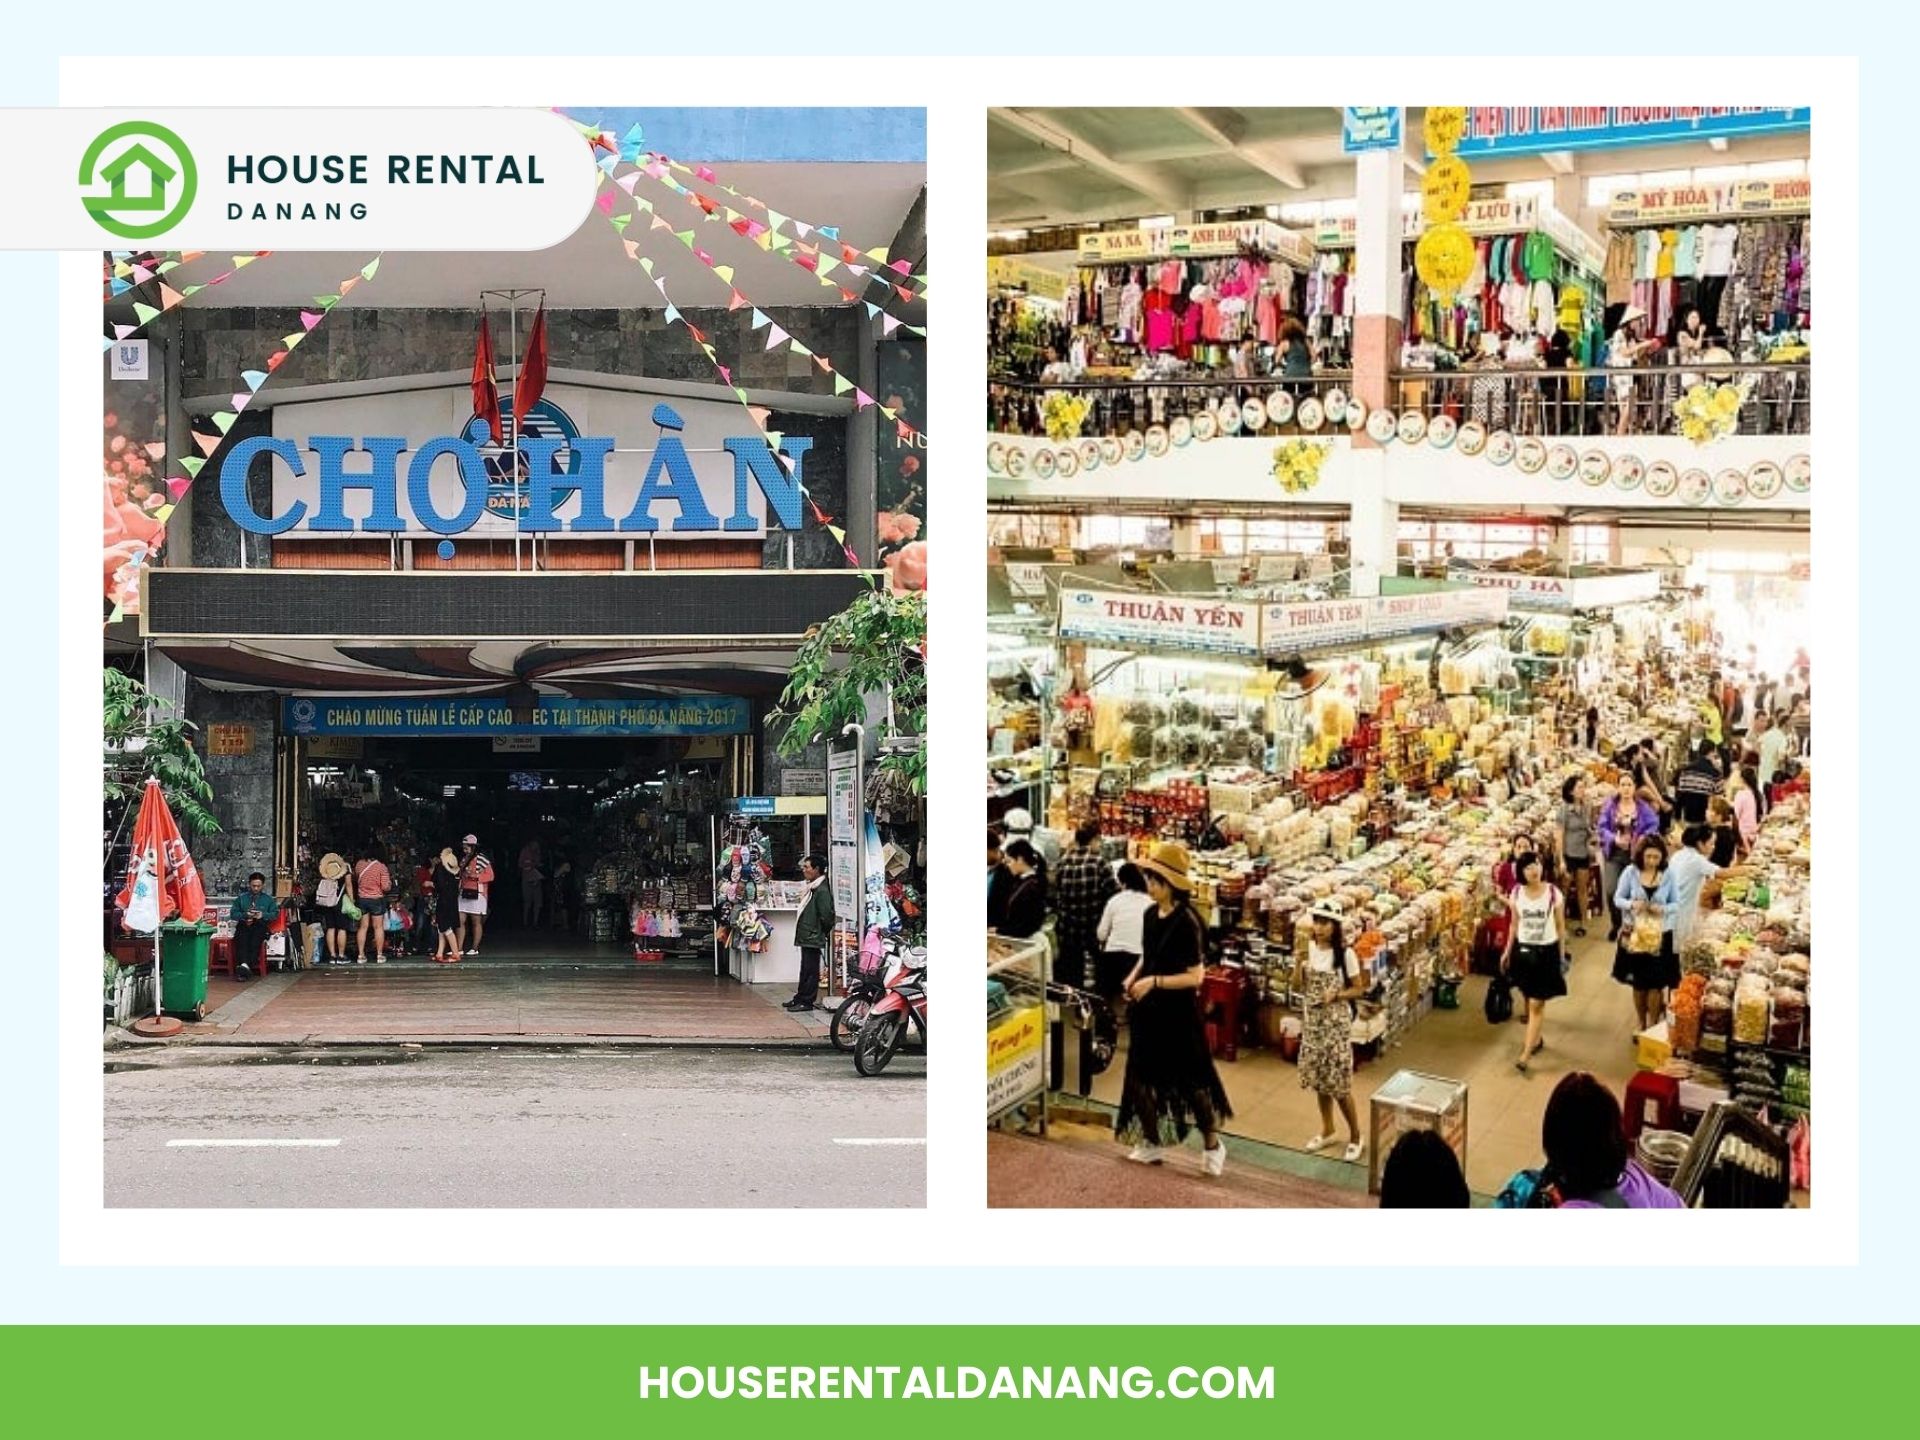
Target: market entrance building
(392,627)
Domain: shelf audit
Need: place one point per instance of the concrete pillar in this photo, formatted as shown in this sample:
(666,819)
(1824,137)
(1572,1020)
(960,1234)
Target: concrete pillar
(1379,182)
(1373,528)
(1186,539)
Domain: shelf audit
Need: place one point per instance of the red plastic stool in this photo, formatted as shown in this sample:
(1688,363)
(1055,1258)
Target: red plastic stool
(220,956)
(1652,1103)
(1220,994)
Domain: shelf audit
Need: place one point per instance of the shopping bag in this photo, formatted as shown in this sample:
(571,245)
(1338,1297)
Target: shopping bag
(1643,937)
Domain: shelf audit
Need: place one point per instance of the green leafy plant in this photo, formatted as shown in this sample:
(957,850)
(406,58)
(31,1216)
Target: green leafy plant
(144,738)
(876,646)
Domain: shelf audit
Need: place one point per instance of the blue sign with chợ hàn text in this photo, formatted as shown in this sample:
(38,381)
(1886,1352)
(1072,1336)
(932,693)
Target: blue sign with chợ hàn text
(638,715)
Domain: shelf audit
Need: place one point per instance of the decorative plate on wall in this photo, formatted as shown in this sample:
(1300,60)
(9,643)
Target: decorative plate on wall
(1112,450)
(1229,417)
(1181,430)
(1335,406)
(1016,461)
(1356,413)
(1662,479)
(1441,432)
(1253,416)
(1472,439)
(1696,487)
(1730,486)
(1279,407)
(1531,457)
(1764,480)
(1066,464)
(1090,456)
(996,457)
(1045,463)
(1501,447)
(1595,467)
(1159,440)
(1206,425)
(1799,473)
(1562,462)
(1412,428)
(1382,426)
(1628,472)
(1311,414)
(1136,444)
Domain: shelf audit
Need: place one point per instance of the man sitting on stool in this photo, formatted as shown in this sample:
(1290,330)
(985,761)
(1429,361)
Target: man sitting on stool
(254,911)
(811,932)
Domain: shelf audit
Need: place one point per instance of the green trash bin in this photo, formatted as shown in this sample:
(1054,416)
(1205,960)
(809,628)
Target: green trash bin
(183,967)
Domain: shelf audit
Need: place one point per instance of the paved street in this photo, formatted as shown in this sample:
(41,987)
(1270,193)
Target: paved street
(513,1127)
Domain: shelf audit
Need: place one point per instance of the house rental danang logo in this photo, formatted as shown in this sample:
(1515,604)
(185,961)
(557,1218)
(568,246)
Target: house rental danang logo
(148,177)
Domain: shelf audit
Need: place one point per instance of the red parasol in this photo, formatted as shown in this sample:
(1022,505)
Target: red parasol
(162,880)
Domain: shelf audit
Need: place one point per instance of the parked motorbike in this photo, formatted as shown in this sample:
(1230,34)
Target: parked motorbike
(903,1004)
(865,987)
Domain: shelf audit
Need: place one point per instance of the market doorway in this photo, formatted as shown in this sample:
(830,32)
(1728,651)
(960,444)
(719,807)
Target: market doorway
(584,834)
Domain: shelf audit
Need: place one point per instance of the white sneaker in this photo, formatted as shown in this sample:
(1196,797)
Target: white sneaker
(1319,1142)
(1146,1155)
(1353,1152)
(473,952)
(1215,1160)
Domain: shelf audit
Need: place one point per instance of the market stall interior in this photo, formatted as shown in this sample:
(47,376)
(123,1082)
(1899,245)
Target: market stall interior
(1360,576)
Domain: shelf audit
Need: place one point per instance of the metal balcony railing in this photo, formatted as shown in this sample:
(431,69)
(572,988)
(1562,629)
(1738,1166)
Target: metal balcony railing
(1015,407)
(1604,402)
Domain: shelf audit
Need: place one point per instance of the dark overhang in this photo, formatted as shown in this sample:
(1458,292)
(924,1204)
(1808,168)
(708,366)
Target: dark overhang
(459,606)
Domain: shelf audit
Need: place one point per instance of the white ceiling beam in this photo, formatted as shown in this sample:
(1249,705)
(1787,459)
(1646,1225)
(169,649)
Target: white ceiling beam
(1266,158)
(1149,183)
(1560,162)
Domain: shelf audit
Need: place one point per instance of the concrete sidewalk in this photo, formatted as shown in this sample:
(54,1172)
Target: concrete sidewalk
(463,1004)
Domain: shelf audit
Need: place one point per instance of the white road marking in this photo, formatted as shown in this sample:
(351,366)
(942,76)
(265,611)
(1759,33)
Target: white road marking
(886,1140)
(230,1144)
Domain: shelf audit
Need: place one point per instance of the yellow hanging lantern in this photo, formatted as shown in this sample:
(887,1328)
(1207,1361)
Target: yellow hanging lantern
(1444,257)
(1445,189)
(1446,126)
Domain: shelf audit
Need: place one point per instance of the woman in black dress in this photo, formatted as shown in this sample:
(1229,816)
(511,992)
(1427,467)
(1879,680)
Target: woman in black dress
(1027,900)
(446,908)
(1170,1075)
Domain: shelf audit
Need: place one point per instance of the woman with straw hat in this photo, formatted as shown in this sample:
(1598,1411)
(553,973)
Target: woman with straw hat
(446,908)
(329,897)
(1170,1076)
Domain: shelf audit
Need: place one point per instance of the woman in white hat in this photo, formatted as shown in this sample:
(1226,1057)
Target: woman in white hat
(1328,980)
(1628,347)
(446,908)
(329,897)
(1170,1076)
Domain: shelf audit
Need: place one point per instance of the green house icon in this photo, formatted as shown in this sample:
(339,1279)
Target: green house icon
(159,174)
(155,168)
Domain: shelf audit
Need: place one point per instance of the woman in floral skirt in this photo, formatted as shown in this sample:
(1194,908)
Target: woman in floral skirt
(1328,981)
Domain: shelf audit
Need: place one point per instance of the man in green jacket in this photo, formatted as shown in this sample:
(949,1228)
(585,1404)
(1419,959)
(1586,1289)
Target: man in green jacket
(254,912)
(811,932)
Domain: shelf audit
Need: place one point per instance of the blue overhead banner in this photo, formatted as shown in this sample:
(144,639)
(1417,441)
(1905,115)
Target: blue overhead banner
(1532,129)
(553,715)
(1370,127)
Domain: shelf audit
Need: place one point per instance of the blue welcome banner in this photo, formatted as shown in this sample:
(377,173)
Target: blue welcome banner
(1533,129)
(412,715)
(1370,127)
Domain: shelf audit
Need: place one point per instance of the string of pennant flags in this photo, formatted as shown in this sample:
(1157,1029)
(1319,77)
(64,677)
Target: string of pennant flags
(817,260)
(772,437)
(777,335)
(145,314)
(188,467)
(627,150)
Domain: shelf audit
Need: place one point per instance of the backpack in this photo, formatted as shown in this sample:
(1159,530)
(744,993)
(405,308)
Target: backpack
(1499,1000)
(1537,1190)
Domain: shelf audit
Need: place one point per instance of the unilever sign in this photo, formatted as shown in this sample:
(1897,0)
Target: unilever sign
(565,482)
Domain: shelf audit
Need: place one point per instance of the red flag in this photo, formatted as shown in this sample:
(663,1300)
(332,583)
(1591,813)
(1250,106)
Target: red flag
(531,383)
(162,880)
(486,389)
